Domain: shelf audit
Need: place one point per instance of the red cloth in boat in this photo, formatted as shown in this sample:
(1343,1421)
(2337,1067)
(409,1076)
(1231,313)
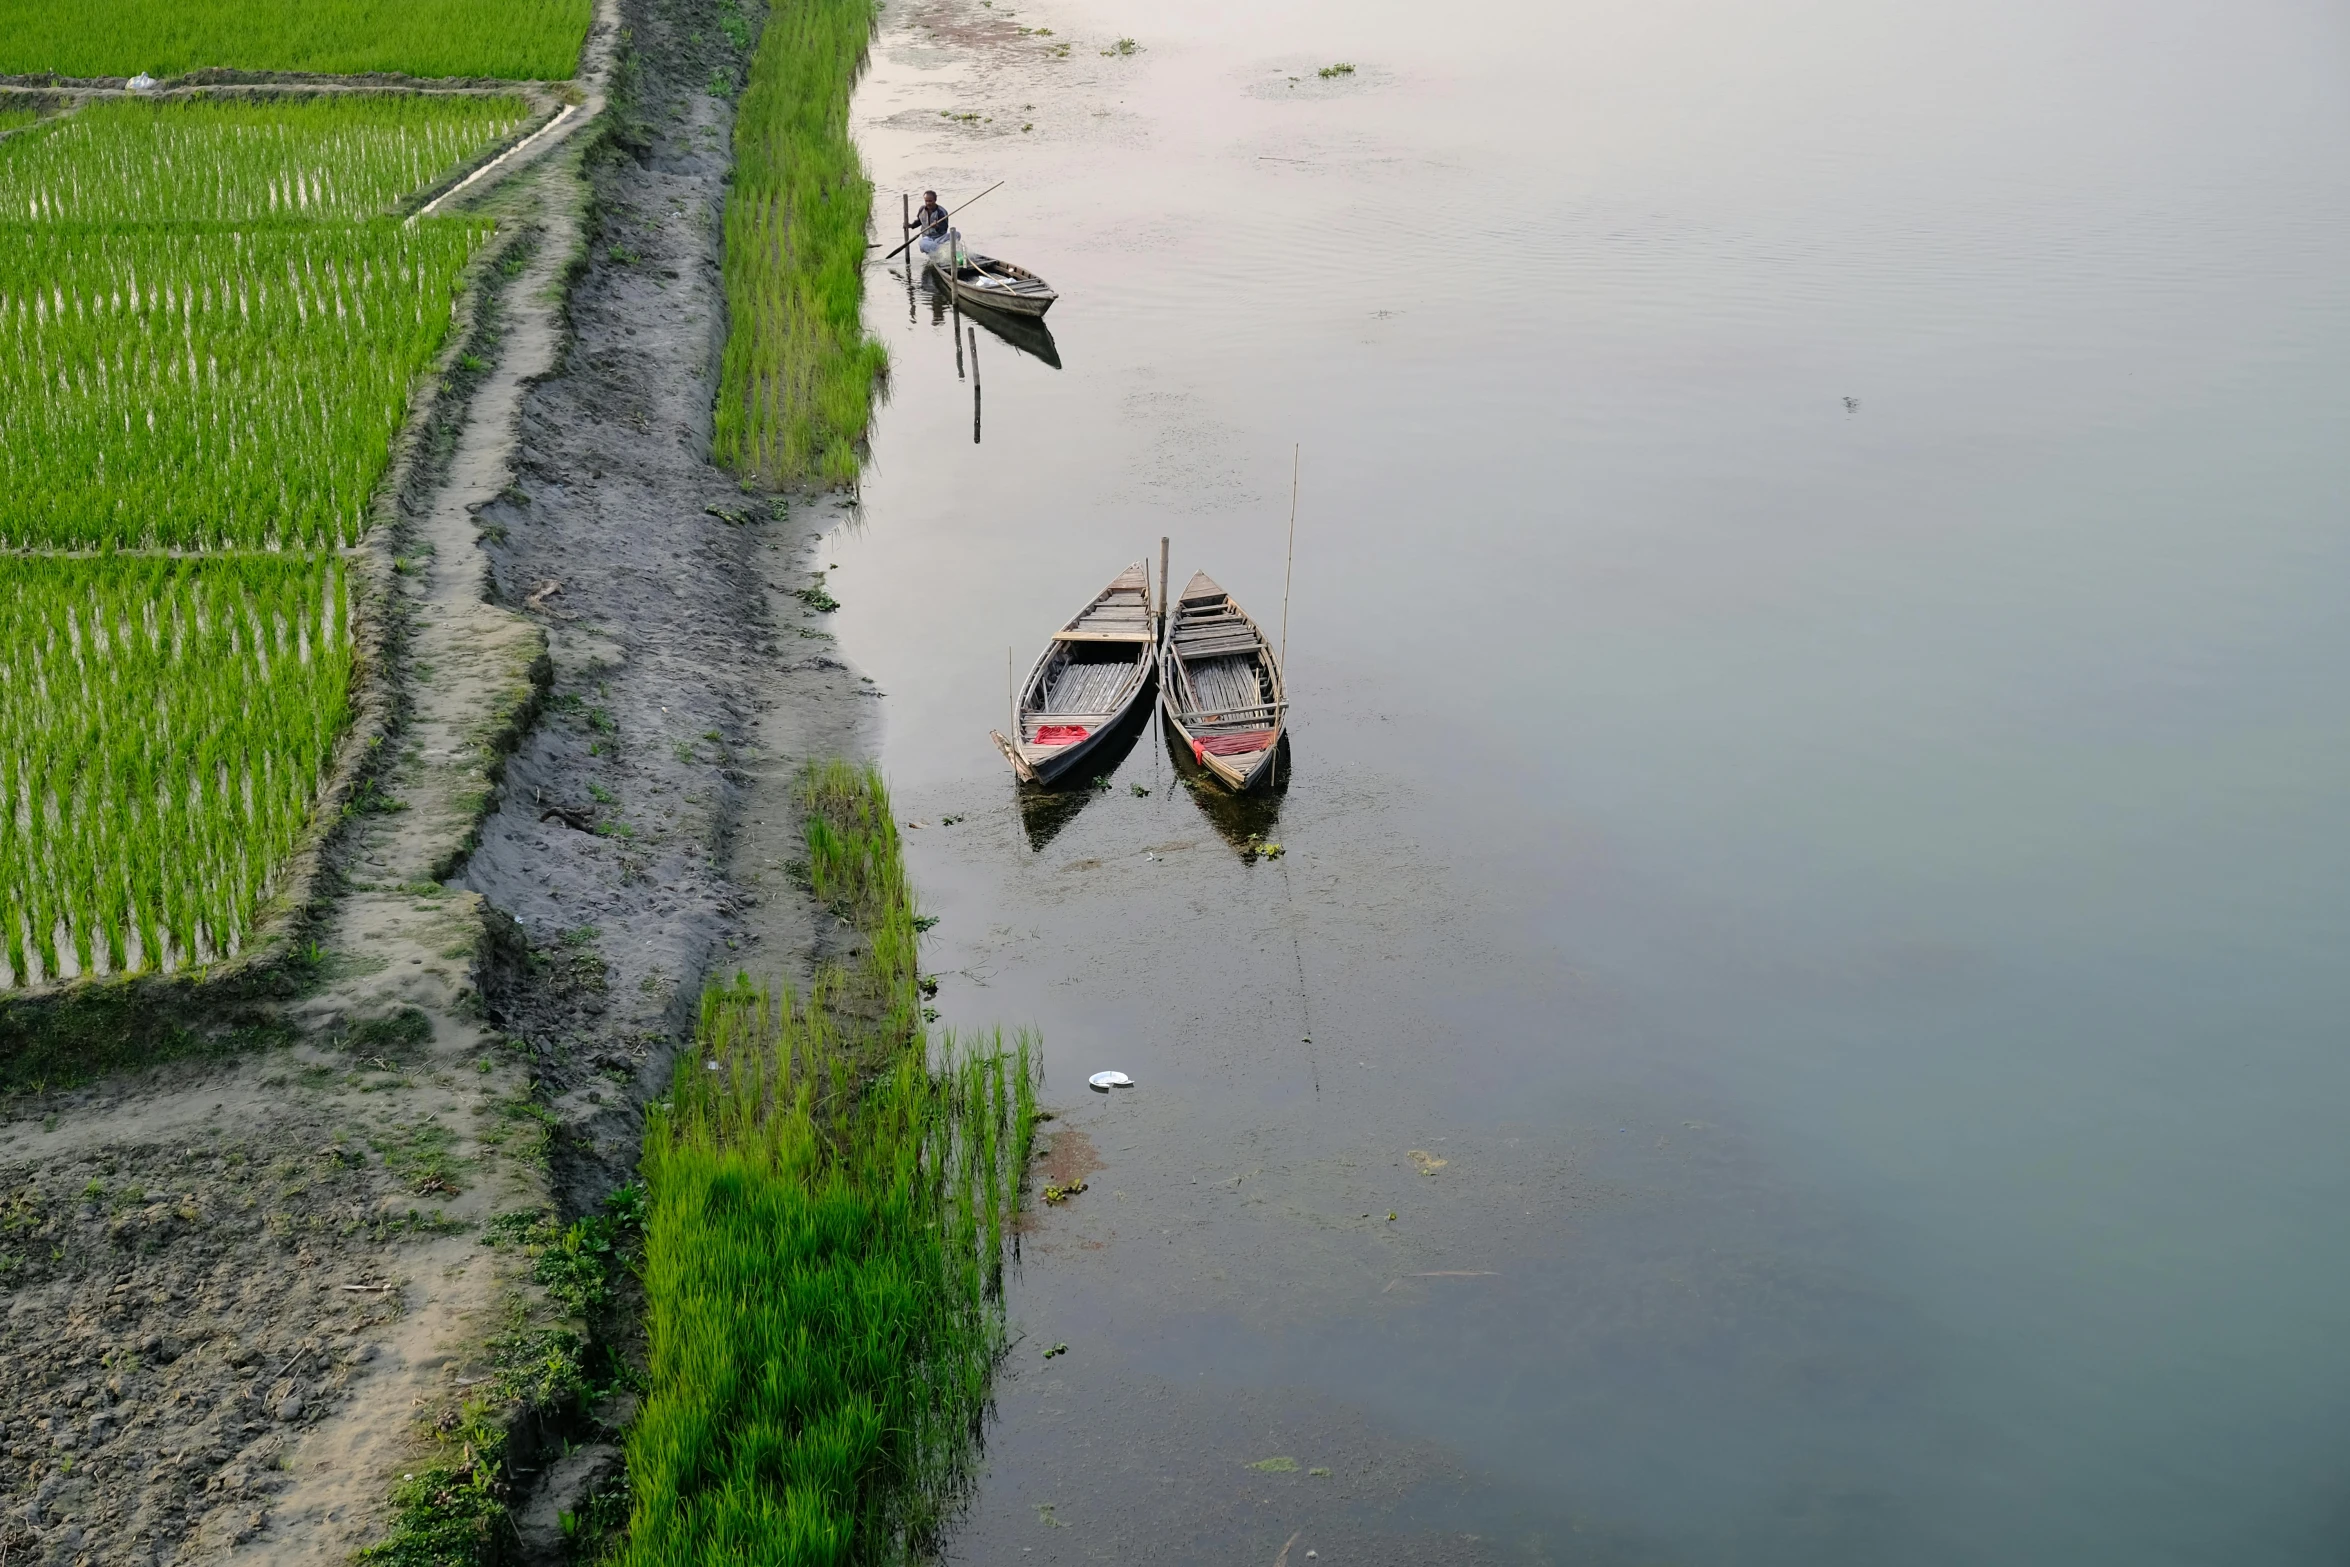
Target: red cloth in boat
(1230,745)
(1060,734)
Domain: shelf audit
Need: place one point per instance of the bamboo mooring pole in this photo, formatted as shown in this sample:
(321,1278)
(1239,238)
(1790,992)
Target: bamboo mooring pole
(1162,587)
(1289,571)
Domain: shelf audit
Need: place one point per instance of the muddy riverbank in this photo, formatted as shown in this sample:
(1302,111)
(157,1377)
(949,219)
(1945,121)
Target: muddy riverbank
(244,1290)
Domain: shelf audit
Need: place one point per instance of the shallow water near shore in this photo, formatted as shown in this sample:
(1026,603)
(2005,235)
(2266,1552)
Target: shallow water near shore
(1813,883)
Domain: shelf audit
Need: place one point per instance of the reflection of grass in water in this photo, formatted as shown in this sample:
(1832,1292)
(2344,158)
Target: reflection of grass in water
(823,1248)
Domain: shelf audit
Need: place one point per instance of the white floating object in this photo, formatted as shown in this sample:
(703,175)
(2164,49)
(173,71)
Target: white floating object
(1105,1081)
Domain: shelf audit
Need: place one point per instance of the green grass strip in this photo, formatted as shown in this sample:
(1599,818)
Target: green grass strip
(529,40)
(829,1194)
(796,390)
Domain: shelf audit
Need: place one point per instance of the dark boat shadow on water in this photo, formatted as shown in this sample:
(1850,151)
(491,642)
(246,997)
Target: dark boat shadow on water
(1046,809)
(1249,822)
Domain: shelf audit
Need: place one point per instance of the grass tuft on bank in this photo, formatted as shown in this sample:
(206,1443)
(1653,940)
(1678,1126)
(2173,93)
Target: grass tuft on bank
(829,1195)
(796,389)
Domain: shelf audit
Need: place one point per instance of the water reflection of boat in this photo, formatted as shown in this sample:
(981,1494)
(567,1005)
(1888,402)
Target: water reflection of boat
(1028,334)
(1220,688)
(1025,333)
(991,284)
(1246,821)
(1045,812)
(1089,681)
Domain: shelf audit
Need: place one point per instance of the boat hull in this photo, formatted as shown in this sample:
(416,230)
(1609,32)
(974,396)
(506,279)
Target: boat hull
(1000,295)
(1027,307)
(1046,766)
(1221,691)
(1087,686)
(1246,773)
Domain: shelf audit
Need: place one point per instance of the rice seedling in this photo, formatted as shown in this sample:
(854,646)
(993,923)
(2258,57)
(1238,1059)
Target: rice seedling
(205,388)
(829,1194)
(165,725)
(16,119)
(796,387)
(339,157)
(515,39)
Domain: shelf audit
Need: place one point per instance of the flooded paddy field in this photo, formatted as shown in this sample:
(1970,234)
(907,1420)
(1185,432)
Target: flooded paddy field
(1812,881)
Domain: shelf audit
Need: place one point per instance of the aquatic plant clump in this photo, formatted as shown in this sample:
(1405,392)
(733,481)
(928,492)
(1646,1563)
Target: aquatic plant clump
(522,40)
(165,725)
(210,389)
(829,1200)
(796,386)
(341,157)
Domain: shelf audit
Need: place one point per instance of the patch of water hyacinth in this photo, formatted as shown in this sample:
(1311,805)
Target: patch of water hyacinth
(165,726)
(341,157)
(208,388)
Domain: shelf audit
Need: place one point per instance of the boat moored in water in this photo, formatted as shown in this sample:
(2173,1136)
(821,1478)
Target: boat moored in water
(1090,679)
(991,284)
(1220,687)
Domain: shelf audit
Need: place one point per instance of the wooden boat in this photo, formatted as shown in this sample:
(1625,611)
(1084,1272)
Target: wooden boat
(1090,679)
(996,285)
(1220,687)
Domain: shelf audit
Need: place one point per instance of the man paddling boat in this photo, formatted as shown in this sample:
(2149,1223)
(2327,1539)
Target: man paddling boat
(930,221)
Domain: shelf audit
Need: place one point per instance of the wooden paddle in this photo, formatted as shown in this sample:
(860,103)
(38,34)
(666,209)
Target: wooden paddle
(908,245)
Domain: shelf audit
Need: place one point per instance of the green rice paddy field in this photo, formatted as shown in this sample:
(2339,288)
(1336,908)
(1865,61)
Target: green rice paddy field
(164,727)
(536,40)
(211,327)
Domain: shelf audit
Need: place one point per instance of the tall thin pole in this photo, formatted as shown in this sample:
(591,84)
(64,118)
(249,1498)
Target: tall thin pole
(1290,571)
(1011,701)
(906,214)
(1163,594)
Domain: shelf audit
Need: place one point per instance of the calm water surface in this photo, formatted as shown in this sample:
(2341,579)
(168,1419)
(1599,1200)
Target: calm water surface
(1821,742)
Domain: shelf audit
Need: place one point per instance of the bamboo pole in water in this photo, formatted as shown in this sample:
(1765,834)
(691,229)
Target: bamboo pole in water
(1163,587)
(1289,571)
